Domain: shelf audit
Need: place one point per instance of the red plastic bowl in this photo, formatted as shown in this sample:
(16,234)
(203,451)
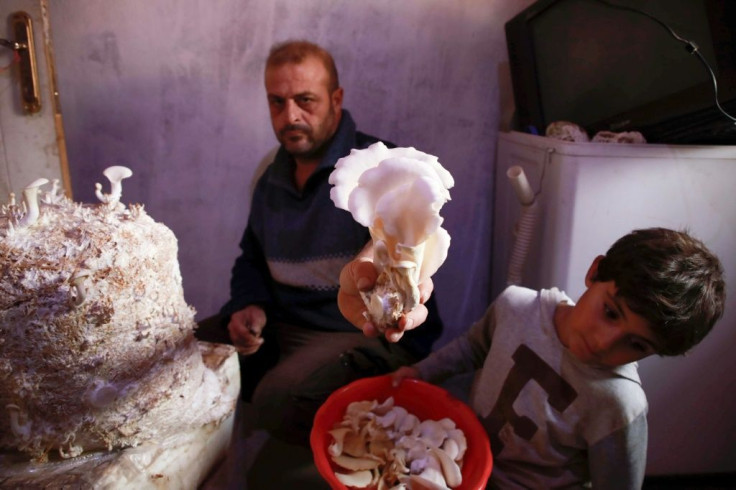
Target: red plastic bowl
(424,400)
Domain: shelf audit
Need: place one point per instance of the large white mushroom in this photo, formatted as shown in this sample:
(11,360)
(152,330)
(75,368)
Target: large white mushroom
(397,193)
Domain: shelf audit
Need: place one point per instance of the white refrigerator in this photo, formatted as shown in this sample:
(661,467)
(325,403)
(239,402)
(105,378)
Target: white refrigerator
(590,194)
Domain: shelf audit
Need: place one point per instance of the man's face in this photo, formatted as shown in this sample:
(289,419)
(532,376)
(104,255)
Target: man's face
(304,113)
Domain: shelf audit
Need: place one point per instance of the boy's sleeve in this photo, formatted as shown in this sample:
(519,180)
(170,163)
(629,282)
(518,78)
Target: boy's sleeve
(618,461)
(464,354)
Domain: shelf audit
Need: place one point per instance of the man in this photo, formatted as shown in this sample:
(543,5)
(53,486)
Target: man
(283,312)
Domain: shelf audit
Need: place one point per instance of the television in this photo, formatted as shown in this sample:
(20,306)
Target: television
(614,69)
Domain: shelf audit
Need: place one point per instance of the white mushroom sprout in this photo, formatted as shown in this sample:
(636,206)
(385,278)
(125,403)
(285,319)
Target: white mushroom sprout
(55,195)
(384,446)
(78,286)
(115,175)
(19,422)
(397,193)
(101,393)
(30,199)
(12,211)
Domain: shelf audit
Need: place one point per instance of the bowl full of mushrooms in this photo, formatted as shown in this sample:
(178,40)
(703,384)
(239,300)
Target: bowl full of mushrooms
(372,435)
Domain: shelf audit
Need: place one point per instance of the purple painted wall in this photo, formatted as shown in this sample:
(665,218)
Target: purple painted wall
(173,89)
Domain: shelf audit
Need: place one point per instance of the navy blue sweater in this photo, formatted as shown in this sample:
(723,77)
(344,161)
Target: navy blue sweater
(296,243)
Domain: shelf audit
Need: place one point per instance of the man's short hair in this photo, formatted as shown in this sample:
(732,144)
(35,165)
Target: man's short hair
(296,51)
(672,280)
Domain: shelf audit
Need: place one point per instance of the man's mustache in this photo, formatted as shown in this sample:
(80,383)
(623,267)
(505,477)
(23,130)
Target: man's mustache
(295,127)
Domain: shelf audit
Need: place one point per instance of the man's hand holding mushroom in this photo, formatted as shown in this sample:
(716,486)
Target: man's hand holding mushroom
(360,275)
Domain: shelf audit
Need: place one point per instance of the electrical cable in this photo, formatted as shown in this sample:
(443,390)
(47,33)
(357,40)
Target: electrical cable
(14,47)
(691,47)
(16,59)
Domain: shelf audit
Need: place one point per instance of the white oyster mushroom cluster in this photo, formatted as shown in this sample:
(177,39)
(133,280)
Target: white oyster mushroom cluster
(397,193)
(383,446)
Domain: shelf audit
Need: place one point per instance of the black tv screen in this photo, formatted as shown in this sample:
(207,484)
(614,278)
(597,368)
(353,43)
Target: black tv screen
(606,68)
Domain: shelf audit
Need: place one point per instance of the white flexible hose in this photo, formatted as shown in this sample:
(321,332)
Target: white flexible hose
(524,230)
(523,235)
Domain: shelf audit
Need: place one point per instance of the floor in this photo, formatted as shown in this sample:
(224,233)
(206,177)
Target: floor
(257,461)
(714,481)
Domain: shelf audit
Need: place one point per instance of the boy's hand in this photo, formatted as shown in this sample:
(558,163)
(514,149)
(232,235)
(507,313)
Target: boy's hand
(402,373)
(245,329)
(360,275)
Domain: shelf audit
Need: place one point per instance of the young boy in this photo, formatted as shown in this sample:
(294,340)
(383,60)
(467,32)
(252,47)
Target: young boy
(557,387)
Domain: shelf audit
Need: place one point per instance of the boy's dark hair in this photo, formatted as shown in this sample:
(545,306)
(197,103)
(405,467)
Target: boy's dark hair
(297,51)
(672,280)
